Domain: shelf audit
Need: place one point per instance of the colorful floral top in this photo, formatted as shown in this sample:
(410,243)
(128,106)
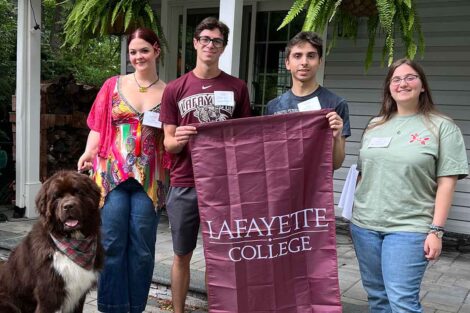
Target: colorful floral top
(136,151)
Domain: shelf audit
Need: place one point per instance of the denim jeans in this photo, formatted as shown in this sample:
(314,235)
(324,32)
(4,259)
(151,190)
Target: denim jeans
(392,266)
(129,232)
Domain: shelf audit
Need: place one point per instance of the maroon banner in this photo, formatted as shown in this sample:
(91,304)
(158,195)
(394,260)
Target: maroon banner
(265,194)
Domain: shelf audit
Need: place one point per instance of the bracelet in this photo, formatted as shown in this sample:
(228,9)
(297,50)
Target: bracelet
(439,233)
(436,227)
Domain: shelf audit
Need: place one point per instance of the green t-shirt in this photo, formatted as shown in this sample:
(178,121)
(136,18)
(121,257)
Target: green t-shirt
(399,163)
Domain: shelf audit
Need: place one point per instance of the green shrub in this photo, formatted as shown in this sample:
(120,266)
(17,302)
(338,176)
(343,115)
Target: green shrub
(7,55)
(96,60)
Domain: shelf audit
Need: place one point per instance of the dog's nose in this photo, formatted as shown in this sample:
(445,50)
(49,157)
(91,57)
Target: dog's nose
(68,206)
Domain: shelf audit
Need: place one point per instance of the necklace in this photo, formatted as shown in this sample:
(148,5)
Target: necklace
(144,88)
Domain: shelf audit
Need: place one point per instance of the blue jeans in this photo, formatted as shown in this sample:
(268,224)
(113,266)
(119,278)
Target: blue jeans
(129,232)
(392,266)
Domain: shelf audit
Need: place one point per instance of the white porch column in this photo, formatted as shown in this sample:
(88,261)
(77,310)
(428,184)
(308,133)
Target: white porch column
(28,105)
(163,67)
(321,69)
(231,13)
(123,55)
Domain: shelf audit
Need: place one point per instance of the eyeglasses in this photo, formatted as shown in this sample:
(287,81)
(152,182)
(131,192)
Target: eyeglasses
(217,42)
(408,79)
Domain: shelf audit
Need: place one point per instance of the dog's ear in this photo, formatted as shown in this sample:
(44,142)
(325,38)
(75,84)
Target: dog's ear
(95,193)
(42,198)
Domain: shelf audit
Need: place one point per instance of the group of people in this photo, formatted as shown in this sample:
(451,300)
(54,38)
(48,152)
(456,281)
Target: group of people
(409,162)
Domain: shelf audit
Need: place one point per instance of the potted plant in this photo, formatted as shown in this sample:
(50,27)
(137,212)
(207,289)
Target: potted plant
(392,17)
(96,18)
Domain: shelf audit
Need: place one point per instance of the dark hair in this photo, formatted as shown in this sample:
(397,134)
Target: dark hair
(311,37)
(389,105)
(146,34)
(211,23)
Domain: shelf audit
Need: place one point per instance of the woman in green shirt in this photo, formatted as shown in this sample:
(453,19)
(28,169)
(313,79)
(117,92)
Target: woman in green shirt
(410,159)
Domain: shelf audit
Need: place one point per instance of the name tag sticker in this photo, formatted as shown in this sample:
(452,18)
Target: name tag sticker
(379,142)
(309,105)
(224,98)
(152,119)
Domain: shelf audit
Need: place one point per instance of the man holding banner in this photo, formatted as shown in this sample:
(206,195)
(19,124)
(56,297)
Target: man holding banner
(303,58)
(205,94)
(265,196)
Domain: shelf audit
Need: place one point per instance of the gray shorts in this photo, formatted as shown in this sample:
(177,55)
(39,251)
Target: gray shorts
(183,214)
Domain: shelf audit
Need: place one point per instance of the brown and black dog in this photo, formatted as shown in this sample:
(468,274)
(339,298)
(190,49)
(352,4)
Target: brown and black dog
(57,263)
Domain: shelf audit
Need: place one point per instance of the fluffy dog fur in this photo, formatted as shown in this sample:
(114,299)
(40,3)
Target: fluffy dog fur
(37,277)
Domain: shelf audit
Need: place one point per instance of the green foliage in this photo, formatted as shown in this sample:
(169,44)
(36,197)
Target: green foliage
(394,17)
(92,65)
(372,26)
(296,8)
(8,13)
(99,18)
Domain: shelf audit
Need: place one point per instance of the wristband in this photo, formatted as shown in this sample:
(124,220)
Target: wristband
(436,227)
(439,233)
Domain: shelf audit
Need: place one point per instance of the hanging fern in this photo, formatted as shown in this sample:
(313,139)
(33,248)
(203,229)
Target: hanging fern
(296,8)
(387,17)
(394,18)
(97,18)
(408,3)
(330,9)
(312,20)
(419,32)
(372,25)
(117,9)
(406,23)
(348,25)
(335,8)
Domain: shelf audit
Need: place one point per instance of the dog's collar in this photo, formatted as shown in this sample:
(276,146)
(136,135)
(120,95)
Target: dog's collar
(81,251)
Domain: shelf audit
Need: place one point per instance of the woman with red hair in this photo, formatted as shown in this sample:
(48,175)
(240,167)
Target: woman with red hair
(125,150)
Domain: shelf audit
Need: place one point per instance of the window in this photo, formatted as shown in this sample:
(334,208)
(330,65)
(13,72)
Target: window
(193,18)
(270,76)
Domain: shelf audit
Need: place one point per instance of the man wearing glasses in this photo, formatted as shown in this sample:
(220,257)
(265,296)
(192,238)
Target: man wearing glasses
(203,95)
(303,59)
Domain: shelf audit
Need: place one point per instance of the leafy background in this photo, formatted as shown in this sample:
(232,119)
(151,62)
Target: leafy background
(90,64)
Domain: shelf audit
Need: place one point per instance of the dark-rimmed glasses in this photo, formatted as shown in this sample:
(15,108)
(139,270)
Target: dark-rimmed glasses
(205,40)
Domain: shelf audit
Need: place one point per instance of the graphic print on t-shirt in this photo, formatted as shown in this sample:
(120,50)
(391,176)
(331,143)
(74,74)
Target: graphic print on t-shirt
(415,137)
(203,107)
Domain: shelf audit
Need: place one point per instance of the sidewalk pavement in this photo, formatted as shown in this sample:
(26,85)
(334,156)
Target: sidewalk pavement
(445,288)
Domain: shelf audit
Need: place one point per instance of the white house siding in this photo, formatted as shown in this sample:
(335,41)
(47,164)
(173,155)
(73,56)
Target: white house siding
(446,27)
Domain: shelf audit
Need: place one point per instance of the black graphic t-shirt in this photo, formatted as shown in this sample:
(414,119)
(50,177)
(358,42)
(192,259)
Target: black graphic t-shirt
(189,100)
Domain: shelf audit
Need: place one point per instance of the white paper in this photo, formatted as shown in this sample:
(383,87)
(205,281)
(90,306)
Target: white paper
(379,142)
(152,119)
(312,104)
(346,201)
(224,98)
